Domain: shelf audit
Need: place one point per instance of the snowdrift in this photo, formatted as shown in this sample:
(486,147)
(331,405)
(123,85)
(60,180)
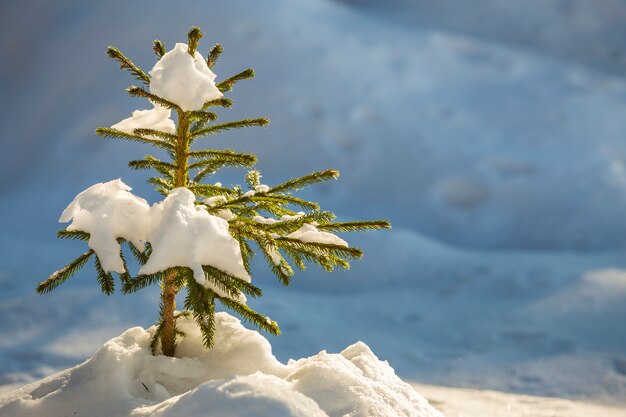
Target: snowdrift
(239,377)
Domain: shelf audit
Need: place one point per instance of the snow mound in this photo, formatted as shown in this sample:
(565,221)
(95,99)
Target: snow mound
(107,211)
(157,118)
(239,377)
(181,79)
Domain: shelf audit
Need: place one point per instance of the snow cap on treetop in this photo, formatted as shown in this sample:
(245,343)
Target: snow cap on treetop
(181,79)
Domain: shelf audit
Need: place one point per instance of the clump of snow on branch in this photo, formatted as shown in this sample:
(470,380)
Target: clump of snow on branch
(184,234)
(184,80)
(238,377)
(157,118)
(264,220)
(108,211)
(308,233)
(214,201)
(181,233)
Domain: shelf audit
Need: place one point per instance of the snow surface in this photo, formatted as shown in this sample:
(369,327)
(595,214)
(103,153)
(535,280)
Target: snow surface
(181,79)
(240,377)
(465,402)
(156,118)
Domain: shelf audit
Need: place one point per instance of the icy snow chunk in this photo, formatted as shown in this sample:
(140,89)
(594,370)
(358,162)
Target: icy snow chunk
(186,235)
(309,233)
(108,211)
(261,188)
(249,193)
(183,80)
(158,118)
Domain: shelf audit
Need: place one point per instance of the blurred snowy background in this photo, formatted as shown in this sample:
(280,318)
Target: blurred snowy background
(491,133)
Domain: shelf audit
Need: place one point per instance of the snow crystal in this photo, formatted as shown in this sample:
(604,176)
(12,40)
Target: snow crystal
(309,233)
(181,79)
(157,118)
(108,211)
(238,377)
(186,235)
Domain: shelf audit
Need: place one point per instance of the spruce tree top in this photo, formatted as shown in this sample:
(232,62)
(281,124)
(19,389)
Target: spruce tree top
(202,235)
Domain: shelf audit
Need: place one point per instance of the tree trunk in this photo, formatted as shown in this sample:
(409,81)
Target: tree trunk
(168,298)
(169,289)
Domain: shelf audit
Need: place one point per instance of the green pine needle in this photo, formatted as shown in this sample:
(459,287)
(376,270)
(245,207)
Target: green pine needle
(169,137)
(151,163)
(250,315)
(283,270)
(159,48)
(137,136)
(253,178)
(194,35)
(218,102)
(141,257)
(209,190)
(241,160)
(214,55)
(126,63)
(221,127)
(228,83)
(354,226)
(156,338)
(140,92)
(286,199)
(63,274)
(302,182)
(140,282)
(231,282)
(105,279)
(73,235)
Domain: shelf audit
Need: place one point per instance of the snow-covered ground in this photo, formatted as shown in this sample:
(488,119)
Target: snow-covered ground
(466,402)
(501,164)
(238,378)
